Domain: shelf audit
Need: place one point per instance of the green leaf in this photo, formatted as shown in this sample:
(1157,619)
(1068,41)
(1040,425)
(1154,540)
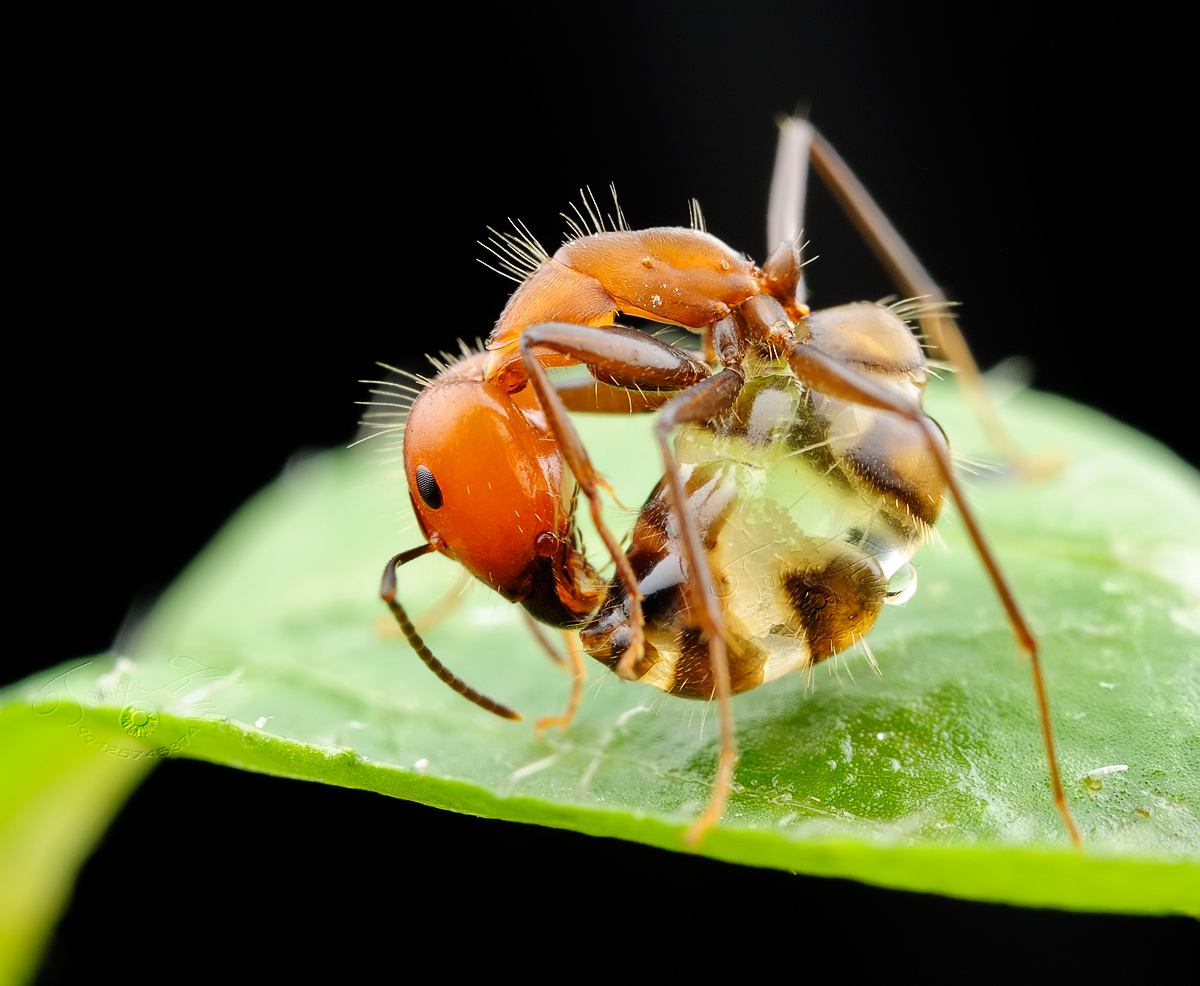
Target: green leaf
(57,793)
(274,654)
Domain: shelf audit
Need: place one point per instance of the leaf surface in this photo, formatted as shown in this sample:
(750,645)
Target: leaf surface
(274,654)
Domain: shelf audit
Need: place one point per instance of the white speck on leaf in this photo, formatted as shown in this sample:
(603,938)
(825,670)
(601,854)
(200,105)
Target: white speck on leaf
(1115,768)
(530,769)
(628,714)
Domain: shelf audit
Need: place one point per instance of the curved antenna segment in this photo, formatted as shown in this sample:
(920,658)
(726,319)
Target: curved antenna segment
(387,592)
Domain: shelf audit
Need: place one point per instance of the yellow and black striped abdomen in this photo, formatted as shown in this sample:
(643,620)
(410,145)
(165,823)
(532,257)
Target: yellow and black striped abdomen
(807,506)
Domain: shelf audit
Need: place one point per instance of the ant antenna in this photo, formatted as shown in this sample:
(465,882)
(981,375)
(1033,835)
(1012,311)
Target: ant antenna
(387,591)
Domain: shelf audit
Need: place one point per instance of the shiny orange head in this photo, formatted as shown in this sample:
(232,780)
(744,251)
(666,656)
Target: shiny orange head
(490,490)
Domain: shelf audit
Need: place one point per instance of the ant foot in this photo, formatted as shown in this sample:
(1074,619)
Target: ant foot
(697,831)
(607,487)
(1039,466)
(550,722)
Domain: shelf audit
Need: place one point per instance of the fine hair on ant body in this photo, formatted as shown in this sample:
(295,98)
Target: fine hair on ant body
(831,398)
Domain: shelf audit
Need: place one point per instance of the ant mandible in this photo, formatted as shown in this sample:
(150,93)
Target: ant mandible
(494,464)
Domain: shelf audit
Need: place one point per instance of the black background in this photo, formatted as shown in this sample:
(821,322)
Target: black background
(223,223)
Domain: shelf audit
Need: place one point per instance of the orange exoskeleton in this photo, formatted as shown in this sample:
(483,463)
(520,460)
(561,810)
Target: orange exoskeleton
(777,398)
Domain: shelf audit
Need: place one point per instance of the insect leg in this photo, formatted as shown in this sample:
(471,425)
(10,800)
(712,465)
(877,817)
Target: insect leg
(789,181)
(703,402)
(784,269)
(592,396)
(618,356)
(911,277)
(539,635)
(827,375)
(578,676)
(572,663)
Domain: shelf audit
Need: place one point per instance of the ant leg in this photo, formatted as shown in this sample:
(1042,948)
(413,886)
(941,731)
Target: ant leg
(911,277)
(619,356)
(578,676)
(594,397)
(576,669)
(784,269)
(703,402)
(789,181)
(826,375)
(543,641)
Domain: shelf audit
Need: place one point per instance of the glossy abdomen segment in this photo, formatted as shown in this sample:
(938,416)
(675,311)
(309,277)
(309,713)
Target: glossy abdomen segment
(807,507)
(789,600)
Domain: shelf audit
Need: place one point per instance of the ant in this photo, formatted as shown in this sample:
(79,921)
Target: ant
(832,398)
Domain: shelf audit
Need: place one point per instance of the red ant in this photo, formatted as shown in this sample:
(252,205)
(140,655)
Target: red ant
(495,465)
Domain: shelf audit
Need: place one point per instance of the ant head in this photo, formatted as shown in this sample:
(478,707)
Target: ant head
(485,478)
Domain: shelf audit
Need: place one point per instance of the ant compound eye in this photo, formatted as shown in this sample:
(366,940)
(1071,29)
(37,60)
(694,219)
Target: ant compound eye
(428,487)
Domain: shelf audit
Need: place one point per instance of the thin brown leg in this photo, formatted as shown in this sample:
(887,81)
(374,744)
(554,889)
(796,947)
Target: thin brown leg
(789,183)
(635,360)
(826,375)
(620,356)
(593,397)
(578,676)
(913,279)
(703,402)
(539,635)
(784,267)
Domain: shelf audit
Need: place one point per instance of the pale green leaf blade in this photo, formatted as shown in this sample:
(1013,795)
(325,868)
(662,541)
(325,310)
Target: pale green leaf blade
(273,654)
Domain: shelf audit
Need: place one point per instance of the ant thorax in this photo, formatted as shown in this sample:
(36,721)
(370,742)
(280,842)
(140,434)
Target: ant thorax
(809,508)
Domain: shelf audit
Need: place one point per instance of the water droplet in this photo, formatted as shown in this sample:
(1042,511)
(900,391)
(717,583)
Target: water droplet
(902,586)
(884,736)
(1106,684)
(421,765)
(262,721)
